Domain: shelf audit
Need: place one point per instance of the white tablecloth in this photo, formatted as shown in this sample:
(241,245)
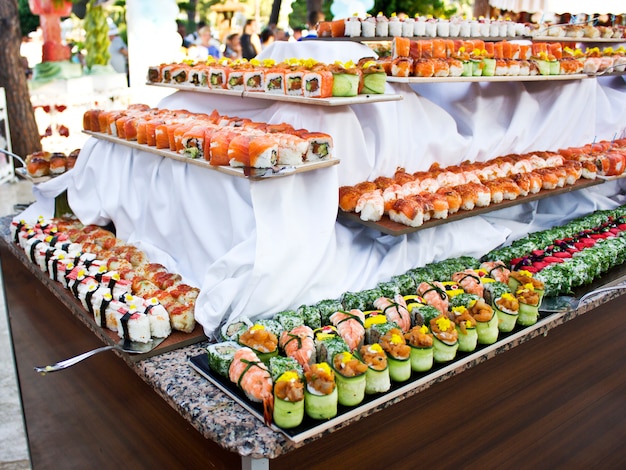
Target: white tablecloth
(258,247)
(563,6)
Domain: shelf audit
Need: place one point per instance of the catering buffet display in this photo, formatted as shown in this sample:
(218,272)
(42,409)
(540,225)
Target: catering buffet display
(300,345)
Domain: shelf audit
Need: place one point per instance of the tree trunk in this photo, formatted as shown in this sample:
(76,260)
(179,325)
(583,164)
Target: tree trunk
(24,133)
(482,8)
(191,15)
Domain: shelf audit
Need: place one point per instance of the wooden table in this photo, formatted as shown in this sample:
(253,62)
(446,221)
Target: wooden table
(554,401)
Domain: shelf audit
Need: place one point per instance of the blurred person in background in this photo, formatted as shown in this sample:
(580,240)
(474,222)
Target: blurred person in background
(232,49)
(205,46)
(250,41)
(118,51)
(267,37)
(182,31)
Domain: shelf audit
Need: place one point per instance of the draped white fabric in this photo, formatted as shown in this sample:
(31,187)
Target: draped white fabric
(562,6)
(258,247)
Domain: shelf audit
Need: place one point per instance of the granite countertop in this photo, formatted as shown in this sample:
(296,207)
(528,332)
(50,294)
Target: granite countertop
(221,419)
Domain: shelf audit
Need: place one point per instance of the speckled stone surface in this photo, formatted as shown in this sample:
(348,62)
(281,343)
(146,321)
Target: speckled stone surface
(220,418)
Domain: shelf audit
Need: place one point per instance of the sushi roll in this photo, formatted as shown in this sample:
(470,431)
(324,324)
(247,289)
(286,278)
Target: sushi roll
(192,142)
(421,342)
(252,376)
(466,328)
(220,356)
(289,319)
(350,377)
(160,326)
(274,81)
(291,149)
(382,26)
(100,300)
(288,400)
(320,146)
(326,308)
(278,365)
(398,354)
(298,343)
(294,82)
(377,375)
(254,80)
(320,394)
(134,326)
(260,340)
(368,27)
(352,27)
(182,317)
(235,80)
(318,84)
(373,78)
(445,338)
(327,344)
(112,314)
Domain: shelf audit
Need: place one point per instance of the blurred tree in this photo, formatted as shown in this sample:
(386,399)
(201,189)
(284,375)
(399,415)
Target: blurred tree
(435,8)
(28,21)
(24,132)
(298,16)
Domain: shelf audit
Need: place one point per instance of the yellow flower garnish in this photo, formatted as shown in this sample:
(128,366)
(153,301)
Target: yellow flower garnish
(289,376)
(443,323)
(269,62)
(256,327)
(255,62)
(468,324)
(396,339)
(459,310)
(346,357)
(523,272)
(377,348)
(507,296)
(324,366)
(423,329)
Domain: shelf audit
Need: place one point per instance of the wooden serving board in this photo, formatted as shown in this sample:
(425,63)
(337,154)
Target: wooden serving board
(389,227)
(333,101)
(176,339)
(481,79)
(256,174)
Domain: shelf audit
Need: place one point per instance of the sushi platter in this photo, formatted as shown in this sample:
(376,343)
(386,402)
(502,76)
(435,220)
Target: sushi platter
(174,341)
(389,227)
(250,173)
(489,79)
(418,382)
(332,101)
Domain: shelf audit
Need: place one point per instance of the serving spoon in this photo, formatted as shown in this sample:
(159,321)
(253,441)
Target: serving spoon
(566,303)
(130,347)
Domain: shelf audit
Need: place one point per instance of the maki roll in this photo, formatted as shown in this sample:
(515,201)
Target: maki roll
(395,311)
(261,340)
(278,365)
(253,378)
(160,326)
(289,319)
(350,326)
(220,355)
(377,375)
(311,316)
(398,355)
(134,326)
(288,400)
(413,304)
(445,338)
(504,303)
(299,344)
(517,278)
(486,321)
(235,328)
(421,342)
(327,308)
(376,325)
(529,300)
(327,344)
(320,394)
(345,80)
(318,84)
(466,329)
(350,378)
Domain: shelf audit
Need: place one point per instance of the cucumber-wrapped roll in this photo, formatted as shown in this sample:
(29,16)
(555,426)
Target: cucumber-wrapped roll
(350,378)
(486,322)
(289,319)
(288,400)
(445,338)
(523,277)
(345,83)
(220,355)
(465,327)
(233,329)
(279,365)
(528,314)
(377,375)
(373,79)
(320,394)
(375,327)
(262,341)
(398,355)
(507,309)
(421,342)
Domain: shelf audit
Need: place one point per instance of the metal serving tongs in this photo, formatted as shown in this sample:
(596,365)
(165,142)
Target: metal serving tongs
(605,71)
(17,157)
(566,303)
(130,347)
